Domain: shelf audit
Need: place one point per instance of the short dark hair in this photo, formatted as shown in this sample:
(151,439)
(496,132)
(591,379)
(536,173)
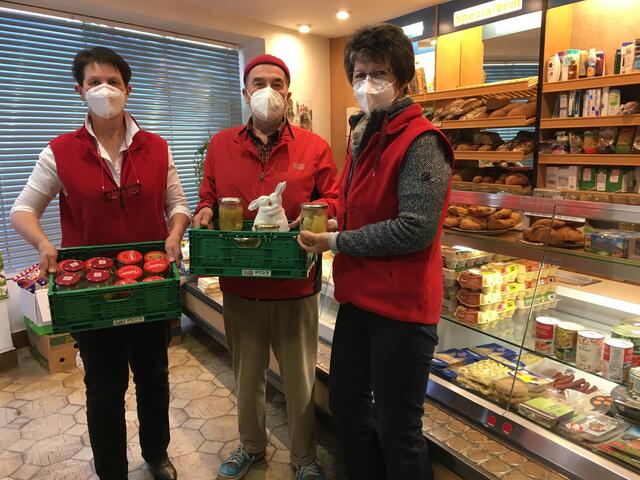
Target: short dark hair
(383,43)
(102,55)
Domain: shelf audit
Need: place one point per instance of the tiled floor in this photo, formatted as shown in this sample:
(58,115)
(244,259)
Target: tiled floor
(43,431)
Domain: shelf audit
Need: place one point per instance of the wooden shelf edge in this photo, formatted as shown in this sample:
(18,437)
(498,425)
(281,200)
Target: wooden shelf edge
(482,187)
(600,160)
(526,86)
(594,82)
(585,122)
(485,123)
(490,156)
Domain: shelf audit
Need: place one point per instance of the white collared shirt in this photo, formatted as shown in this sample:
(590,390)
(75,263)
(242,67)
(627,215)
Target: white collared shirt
(44,183)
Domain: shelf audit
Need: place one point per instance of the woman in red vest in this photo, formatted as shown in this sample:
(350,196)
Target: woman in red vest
(387,269)
(116,183)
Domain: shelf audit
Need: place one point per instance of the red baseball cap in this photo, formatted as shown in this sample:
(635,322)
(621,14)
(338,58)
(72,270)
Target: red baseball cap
(269,60)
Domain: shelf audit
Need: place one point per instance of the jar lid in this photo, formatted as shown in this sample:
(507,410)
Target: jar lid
(129,257)
(131,272)
(98,276)
(102,263)
(67,279)
(230,200)
(157,255)
(156,266)
(153,278)
(126,281)
(71,265)
(315,205)
(268,227)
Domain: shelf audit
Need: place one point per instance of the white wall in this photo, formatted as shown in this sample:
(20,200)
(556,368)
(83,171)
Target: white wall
(307,56)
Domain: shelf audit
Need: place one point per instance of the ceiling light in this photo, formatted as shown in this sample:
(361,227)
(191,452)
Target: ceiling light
(304,28)
(343,15)
(433,42)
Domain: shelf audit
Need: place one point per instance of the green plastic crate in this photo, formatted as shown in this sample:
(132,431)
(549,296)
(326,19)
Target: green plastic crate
(222,253)
(93,308)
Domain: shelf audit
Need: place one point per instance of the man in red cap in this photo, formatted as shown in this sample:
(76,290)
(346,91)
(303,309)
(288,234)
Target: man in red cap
(246,162)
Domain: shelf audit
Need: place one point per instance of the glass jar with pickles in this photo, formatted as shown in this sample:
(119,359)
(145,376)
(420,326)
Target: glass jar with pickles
(98,279)
(68,281)
(230,214)
(314,217)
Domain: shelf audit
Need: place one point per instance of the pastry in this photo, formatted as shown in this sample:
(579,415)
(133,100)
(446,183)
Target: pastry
(457,426)
(452,221)
(500,224)
(474,437)
(457,211)
(496,103)
(487,179)
(503,213)
(456,178)
(511,106)
(486,148)
(476,455)
(571,235)
(458,444)
(464,147)
(473,223)
(480,211)
(549,221)
(517,179)
(496,467)
(480,112)
(498,113)
(487,138)
(519,394)
(514,459)
(516,217)
(477,179)
(494,448)
(542,234)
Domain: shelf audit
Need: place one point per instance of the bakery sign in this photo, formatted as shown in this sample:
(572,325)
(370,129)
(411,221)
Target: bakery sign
(485,11)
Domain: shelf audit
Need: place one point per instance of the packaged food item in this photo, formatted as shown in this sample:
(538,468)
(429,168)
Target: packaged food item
(129,257)
(632,333)
(230,214)
(607,140)
(156,267)
(551,178)
(476,279)
(624,143)
(593,427)
(575,143)
(587,179)
(527,270)
(589,351)
(314,217)
(491,348)
(634,380)
(508,270)
(456,257)
(545,335)
(628,51)
(546,411)
(126,281)
(473,316)
(155,255)
(604,102)
(601,403)
(100,263)
(477,299)
(509,389)
(481,375)
(554,69)
(98,278)
(454,356)
(71,266)
(68,281)
(608,243)
(129,272)
(626,403)
(600,63)
(267,227)
(566,340)
(625,447)
(616,359)
(30,279)
(615,102)
(636,142)
(590,141)
(153,278)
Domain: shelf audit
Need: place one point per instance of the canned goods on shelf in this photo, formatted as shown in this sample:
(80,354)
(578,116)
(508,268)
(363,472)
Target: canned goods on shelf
(616,359)
(589,351)
(545,335)
(566,340)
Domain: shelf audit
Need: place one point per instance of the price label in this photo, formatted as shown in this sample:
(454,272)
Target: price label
(127,321)
(256,273)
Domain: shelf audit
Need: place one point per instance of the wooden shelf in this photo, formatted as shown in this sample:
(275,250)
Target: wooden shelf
(513,89)
(485,123)
(598,160)
(586,122)
(594,82)
(491,187)
(495,157)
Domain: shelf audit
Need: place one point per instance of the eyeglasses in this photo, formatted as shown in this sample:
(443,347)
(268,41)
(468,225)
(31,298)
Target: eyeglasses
(120,192)
(379,74)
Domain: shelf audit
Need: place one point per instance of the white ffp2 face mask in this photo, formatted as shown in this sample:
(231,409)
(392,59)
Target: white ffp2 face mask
(105,100)
(267,105)
(373,94)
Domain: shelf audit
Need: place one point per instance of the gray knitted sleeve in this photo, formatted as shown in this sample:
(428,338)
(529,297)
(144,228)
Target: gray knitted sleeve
(422,187)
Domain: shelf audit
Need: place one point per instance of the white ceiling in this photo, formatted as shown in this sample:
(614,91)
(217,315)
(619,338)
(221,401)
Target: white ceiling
(320,14)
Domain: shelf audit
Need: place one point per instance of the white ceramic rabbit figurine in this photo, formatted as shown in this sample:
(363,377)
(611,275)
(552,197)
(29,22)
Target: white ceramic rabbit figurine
(270,210)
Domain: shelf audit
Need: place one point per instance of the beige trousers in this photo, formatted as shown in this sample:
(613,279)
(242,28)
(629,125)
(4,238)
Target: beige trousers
(290,327)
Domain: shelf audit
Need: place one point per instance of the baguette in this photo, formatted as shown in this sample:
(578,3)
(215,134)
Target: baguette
(473,223)
(452,221)
(480,211)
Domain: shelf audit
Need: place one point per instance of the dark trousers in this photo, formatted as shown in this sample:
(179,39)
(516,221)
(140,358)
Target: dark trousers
(374,357)
(106,355)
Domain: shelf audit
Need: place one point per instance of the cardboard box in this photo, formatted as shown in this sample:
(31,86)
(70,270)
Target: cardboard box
(35,306)
(568,178)
(56,353)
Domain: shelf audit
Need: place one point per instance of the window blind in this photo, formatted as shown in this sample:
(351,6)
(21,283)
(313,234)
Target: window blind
(184,91)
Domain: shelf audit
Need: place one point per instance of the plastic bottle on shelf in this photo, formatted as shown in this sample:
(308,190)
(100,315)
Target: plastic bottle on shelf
(600,64)
(617,61)
(582,67)
(573,71)
(554,68)
(592,63)
(566,63)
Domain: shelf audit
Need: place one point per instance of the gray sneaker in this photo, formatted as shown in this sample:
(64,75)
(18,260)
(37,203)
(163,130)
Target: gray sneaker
(313,471)
(239,463)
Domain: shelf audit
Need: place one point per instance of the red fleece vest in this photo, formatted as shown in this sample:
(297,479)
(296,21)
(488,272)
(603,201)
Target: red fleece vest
(404,287)
(86,216)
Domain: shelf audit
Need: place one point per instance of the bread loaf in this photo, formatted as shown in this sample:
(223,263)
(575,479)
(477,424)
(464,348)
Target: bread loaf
(473,223)
(511,106)
(498,113)
(518,111)
(451,221)
(500,224)
(477,179)
(488,179)
(570,234)
(480,211)
(496,103)
(517,179)
(486,148)
(501,214)
(541,233)
(545,222)
(457,211)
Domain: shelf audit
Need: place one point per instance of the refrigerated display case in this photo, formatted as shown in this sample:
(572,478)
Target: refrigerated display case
(524,329)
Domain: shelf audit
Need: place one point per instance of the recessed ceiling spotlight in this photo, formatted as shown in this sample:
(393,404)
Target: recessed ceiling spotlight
(434,42)
(304,28)
(343,15)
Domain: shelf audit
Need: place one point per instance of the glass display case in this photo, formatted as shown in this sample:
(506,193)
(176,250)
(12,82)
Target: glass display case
(540,330)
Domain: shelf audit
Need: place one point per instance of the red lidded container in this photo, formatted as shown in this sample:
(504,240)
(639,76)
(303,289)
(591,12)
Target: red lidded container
(68,281)
(71,266)
(157,255)
(130,272)
(126,281)
(129,257)
(102,263)
(156,267)
(153,278)
(98,278)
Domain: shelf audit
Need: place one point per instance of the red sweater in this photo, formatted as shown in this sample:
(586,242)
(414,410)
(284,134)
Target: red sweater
(86,216)
(233,168)
(404,287)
